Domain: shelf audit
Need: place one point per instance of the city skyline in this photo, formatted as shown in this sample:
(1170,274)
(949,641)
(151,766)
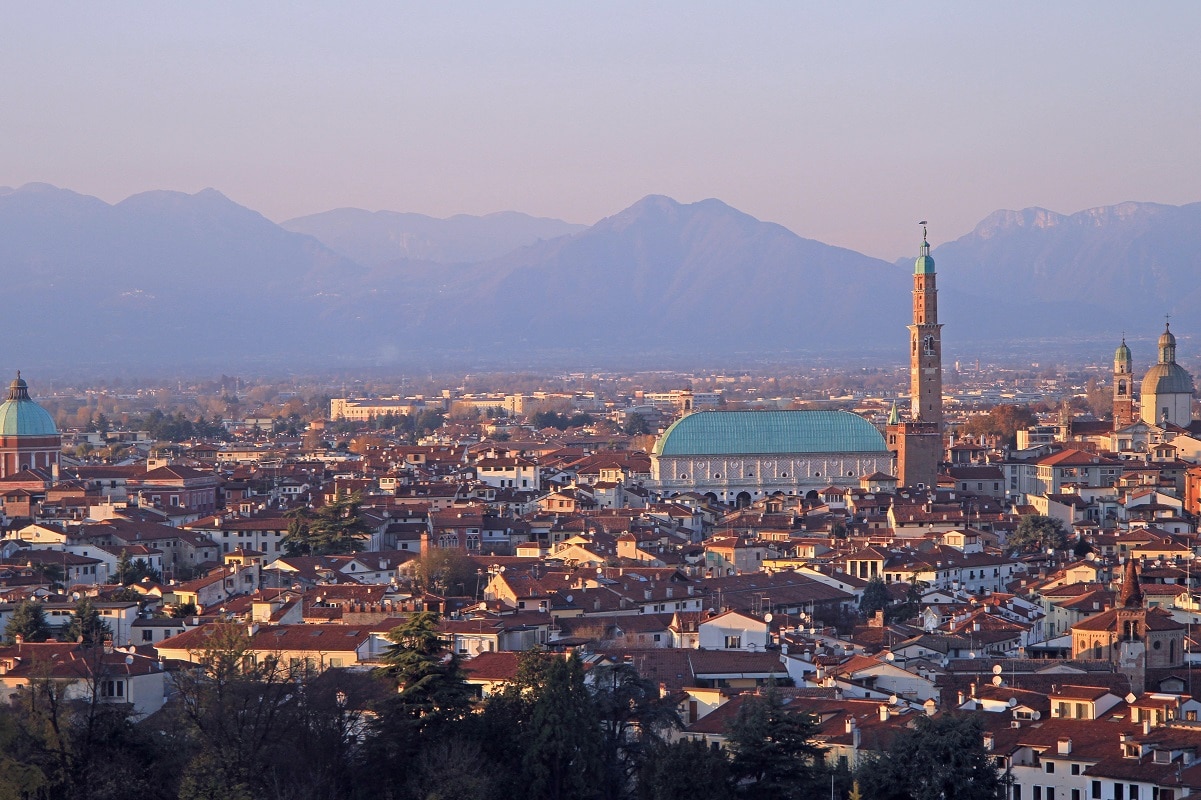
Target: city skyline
(846,125)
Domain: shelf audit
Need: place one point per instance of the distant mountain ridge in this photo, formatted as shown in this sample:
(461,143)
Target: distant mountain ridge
(168,277)
(377,238)
(1091,272)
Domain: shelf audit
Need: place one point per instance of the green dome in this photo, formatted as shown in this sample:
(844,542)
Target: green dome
(925,262)
(1122,354)
(20,416)
(719,433)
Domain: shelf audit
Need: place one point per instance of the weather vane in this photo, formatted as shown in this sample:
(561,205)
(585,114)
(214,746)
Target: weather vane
(923,224)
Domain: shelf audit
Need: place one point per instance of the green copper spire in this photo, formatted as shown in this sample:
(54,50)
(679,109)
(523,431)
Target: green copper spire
(925,262)
(1122,354)
(894,416)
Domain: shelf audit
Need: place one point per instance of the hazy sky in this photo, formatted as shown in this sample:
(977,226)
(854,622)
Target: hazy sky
(846,122)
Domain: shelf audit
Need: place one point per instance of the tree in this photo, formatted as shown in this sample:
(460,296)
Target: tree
(636,425)
(773,755)
(1003,421)
(447,571)
(685,770)
(562,755)
(430,700)
(129,572)
(333,528)
(875,597)
(242,712)
(941,758)
(427,676)
(87,626)
(1036,533)
(633,719)
(28,621)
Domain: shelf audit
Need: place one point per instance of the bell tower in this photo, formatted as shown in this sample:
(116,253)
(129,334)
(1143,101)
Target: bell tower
(918,441)
(1123,387)
(925,342)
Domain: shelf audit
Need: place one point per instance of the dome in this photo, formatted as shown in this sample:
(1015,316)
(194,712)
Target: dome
(1167,379)
(1122,354)
(1167,338)
(925,262)
(713,433)
(20,416)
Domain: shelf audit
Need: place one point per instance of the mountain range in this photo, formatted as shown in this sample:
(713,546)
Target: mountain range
(170,278)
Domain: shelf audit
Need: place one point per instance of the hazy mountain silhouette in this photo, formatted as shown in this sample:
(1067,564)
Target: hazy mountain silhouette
(170,278)
(1089,273)
(160,275)
(659,276)
(380,238)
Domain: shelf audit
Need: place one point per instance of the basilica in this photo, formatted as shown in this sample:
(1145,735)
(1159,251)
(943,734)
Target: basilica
(1163,410)
(739,457)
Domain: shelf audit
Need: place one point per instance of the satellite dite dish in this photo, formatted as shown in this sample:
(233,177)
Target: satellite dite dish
(1013,701)
(1130,698)
(892,699)
(997,680)
(997,670)
(570,598)
(768,617)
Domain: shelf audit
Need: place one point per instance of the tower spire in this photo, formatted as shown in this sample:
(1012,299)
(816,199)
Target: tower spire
(1132,594)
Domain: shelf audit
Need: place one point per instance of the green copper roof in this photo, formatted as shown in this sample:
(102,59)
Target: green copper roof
(925,262)
(20,416)
(766,432)
(1122,354)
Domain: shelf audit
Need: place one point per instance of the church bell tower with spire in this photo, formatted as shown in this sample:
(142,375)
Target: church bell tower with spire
(1123,387)
(918,441)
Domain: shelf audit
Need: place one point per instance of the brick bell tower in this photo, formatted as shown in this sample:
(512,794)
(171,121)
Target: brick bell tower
(918,441)
(1123,387)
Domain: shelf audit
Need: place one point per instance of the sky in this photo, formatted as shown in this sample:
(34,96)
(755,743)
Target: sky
(845,122)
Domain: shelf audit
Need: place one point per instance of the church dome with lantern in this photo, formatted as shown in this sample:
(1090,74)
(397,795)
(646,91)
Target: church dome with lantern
(29,439)
(1167,388)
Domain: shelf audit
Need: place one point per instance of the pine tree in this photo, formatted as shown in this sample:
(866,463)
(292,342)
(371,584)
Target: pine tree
(28,621)
(87,626)
(774,756)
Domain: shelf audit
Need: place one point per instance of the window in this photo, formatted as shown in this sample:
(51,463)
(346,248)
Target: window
(112,688)
(1075,771)
(1075,794)
(1049,767)
(1096,790)
(1038,793)
(1017,791)
(147,636)
(1050,793)
(1118,793)
(1134,791)
(733,642)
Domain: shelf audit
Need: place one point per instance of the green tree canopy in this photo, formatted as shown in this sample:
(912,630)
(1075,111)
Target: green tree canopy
(774,756)
(87,626)
(875,597)
(942,758)
(332,529)
(688,769)
(28,621)
(1037,533)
